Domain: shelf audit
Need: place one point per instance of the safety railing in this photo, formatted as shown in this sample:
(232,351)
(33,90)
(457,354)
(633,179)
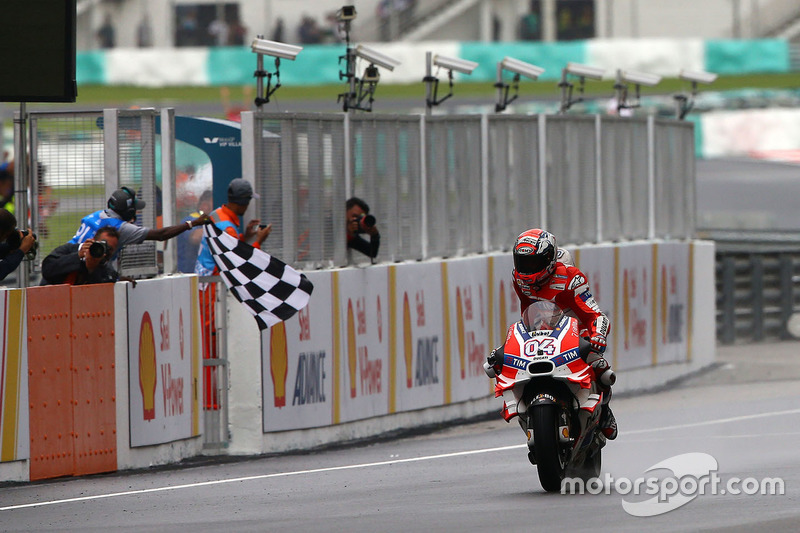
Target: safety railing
(213,316)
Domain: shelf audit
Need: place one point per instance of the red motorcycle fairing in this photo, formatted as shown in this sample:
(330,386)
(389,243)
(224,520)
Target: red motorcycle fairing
(553,353)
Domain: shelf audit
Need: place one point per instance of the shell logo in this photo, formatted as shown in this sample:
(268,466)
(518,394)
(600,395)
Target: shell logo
(278,362)
(148,375)
(351,348)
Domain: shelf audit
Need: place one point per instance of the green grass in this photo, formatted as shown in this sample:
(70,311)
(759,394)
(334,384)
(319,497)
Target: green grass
(126,95)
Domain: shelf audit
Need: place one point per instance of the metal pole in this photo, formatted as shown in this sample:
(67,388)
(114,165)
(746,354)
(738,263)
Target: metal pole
(485,181)
(259,81)
(543,170)
(110,151)
(598,145)
(500,100)
(21,181)
(428,83)
(737,30)
(651,178)
(423,183)
(168,183)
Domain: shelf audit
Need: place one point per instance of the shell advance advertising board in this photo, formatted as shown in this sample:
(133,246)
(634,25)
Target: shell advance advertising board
(297,372)
(466,328)
(363,368)
(419,379)
(164,360)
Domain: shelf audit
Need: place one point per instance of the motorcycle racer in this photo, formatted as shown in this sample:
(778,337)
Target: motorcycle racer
(542,271)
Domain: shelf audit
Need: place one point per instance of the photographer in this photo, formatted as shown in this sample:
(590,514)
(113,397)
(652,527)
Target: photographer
(359,221)
(85,263)
(14,243)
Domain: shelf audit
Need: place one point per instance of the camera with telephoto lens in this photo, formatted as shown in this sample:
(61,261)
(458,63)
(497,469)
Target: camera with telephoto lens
(14,241)
(365,222)
(98,249)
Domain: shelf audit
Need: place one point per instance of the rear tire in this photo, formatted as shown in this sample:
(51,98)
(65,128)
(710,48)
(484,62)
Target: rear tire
(550,457)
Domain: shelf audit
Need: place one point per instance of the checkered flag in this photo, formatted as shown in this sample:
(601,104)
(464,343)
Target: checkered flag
(271,290)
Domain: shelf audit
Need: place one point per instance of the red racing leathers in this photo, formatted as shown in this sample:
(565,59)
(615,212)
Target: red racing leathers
(569,289)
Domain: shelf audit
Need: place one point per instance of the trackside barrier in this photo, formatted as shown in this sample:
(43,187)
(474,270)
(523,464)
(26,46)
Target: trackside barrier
(99,377)
(377,349)
(71,380)
(393,346)
(14,443)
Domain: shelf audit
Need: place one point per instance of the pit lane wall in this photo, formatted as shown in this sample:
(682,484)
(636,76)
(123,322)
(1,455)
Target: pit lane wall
(113,372)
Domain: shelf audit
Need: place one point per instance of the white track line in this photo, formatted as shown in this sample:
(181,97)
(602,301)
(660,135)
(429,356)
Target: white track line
(379,463)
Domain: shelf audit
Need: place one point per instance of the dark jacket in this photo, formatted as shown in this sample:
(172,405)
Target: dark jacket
(9,260)
(63,265)
(368,248)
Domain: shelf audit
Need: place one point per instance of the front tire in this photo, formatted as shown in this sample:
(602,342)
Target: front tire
(550,456)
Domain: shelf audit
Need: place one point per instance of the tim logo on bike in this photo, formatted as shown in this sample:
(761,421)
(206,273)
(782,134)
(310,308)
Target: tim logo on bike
(693,475)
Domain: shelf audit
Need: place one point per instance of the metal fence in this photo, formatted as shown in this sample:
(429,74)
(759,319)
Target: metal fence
(214,315)
(77,161)
(447,186)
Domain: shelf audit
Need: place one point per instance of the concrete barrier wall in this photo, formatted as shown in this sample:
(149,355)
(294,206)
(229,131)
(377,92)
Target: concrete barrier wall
(379,348)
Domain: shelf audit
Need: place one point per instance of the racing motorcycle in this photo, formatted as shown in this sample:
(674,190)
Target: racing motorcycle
(546,383)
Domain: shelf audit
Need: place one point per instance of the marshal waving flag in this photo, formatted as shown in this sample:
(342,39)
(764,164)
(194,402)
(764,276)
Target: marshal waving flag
(271,290)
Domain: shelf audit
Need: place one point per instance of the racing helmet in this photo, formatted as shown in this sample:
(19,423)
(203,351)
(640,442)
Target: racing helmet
(535,253)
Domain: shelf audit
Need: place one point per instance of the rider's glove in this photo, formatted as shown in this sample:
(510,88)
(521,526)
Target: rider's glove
(495,358)
(598,342)
(600,328)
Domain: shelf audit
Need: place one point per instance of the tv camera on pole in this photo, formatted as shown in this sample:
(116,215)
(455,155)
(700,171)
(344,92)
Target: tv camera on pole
(361,88)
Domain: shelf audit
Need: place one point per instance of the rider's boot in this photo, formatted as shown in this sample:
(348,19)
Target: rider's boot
(607,422)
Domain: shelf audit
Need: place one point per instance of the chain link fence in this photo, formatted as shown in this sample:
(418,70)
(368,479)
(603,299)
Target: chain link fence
(448,186)
(77,160)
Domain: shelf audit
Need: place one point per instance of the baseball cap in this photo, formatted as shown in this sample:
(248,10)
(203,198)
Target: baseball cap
(240,191)
(124,202)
